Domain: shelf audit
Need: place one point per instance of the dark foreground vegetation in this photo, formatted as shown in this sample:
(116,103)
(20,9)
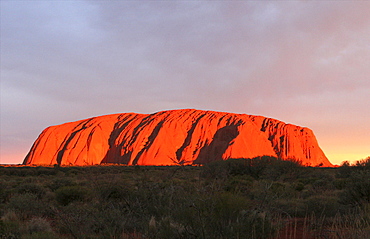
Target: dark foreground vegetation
(240,198)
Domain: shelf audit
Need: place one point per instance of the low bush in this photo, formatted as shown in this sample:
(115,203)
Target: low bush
(363,164)
(262,197)
(108,191)
(31,188)
(27,205)
(322,205)
(66,195)
(38,228)
(10,225)
(267,167)
(357,190)
(60,182)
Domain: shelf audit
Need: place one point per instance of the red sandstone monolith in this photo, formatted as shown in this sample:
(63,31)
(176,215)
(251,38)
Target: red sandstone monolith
(174,137)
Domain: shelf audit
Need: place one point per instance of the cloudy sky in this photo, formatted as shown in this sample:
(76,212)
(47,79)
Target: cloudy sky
(302,62)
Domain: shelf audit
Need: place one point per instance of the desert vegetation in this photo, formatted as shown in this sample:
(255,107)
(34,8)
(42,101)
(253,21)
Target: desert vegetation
(239,198)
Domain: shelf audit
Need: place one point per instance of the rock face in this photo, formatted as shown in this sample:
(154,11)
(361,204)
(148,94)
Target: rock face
(173,137)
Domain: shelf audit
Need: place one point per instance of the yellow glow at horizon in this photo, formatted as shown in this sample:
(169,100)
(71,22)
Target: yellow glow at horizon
(338,158)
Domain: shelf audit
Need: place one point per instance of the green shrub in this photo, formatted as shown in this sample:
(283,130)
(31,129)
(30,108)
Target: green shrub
(267,167)
(38,224)
(68,194)
(363,164)
(322,205)
(344,171)
(322,185)
(9,229)
(27,205)
(240,184)
(4,193)
(38,228)
(41,235)
(60,182)
(290,208)
(224,215)
(45,171)
(72,171)
(216,169)
(112,192)
(77,220)
(31,188)
(340,183)
(299,186)
(357,191)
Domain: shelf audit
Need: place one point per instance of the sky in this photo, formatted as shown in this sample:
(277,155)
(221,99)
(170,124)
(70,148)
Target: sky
(301,62)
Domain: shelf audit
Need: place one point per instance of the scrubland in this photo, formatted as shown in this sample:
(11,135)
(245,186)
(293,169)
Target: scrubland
(238,198)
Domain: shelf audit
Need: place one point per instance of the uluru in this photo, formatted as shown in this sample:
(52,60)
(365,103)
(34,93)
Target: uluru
(173,137)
